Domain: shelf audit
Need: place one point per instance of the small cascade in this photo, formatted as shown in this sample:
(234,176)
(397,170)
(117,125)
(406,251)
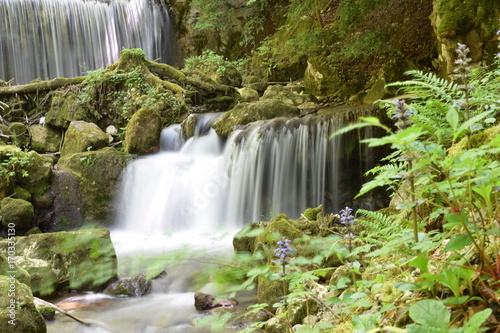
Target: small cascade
(56,38)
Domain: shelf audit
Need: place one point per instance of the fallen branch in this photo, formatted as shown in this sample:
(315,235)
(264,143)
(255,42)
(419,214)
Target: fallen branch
(40,86)
(39,301)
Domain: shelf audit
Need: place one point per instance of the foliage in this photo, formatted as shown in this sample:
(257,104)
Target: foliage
(447,277)
(215,66)
(14,163)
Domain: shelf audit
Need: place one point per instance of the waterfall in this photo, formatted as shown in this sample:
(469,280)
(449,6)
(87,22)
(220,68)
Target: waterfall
(267,168)
(65,38)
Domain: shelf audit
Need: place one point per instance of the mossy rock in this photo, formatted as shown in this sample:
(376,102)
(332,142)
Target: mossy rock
(82,136)
(38,173)
(21,193)
(321,80)
(245,113)
(18,313)
(21,274)
(188,126)
(20,135)
(289,94)
(66,108)
(17,212)
(271,291)
(476,140)
(48,313)
(5,186)
(45,139)
(312,213)
(248,94)
(81,260)
(244,240)
(97,174)
(142,134)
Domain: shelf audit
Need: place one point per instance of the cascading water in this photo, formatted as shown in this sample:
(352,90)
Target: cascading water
(64,38)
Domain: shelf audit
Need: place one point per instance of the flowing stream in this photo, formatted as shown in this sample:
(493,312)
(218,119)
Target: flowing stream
(65,38)
(185,203)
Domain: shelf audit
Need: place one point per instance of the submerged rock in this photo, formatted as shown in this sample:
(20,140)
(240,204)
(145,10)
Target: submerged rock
(17,309)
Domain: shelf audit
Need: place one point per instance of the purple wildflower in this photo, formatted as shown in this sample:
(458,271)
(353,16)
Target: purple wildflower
(346,217)
(402,113)
(283,252)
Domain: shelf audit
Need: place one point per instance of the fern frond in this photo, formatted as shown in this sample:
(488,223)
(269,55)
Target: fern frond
(428,85)
(376,220)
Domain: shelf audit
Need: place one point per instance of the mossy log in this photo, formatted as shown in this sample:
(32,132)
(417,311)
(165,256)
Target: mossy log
(37,86)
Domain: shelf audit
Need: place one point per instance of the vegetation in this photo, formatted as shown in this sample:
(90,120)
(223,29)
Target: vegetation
(430,262)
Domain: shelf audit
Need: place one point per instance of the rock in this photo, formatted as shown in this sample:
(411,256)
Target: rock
(97,175)
(271,291)
(320,80)
(10,264)
(254,83)
(245,113)
(312,213)
(18,312)
(204,302)
(289,94)
(17,212)
(133,286)
(66,108)
(248,94)
(188,126)
(78,260)
(391,71)
(48,313)
(21,193)
(82,136)
(142,134)
(38,173)
(244,240)
(45,139)
(20,134)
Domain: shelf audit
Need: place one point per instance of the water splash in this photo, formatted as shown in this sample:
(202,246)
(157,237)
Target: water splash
(53,38)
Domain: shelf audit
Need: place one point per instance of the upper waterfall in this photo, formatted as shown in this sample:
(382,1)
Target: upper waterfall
(54,38)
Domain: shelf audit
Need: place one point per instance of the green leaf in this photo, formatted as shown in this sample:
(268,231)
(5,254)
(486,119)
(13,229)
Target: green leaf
(452,117)
(468,124)
(472,326)
(456,300)
(430,312)
(420,263)
(458,243)
(364,323)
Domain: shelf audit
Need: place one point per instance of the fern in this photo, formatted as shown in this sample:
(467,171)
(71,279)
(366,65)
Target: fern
(376,220)
(429,86)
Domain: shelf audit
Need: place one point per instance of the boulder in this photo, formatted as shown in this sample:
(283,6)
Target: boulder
(82,136)
(77,260)
(289,94)
(96,174)
(321,80)
(66,107)
(10,264)
(17,309)
(204,302)
(133,286)
(142,134)
(248,94)
(17,212)
(45,139)
(37,173)
(245,113)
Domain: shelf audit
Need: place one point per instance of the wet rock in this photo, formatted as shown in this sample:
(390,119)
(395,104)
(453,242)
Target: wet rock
(133,286)
(289,94)
(17,212)
(82,136)
(245,113)
(79,260)
(18,313)
(204,301)
(142,134)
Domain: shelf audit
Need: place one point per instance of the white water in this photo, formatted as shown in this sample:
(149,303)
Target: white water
(64,38)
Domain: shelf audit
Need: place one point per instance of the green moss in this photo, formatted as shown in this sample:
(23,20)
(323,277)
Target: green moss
(458,17)
(312,213)
(18,212)
(143,132)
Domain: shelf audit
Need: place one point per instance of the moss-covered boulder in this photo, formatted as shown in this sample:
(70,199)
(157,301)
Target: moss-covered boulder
(82,136)
(17,309)
(45,139)
(292,94)
(9,264)
(321,80)
(245,113)
(142,134)
(22,193)
(20,134)
(66,107)
(248,94)
(79,260)
(96,174)
(17,212)
(35,175)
